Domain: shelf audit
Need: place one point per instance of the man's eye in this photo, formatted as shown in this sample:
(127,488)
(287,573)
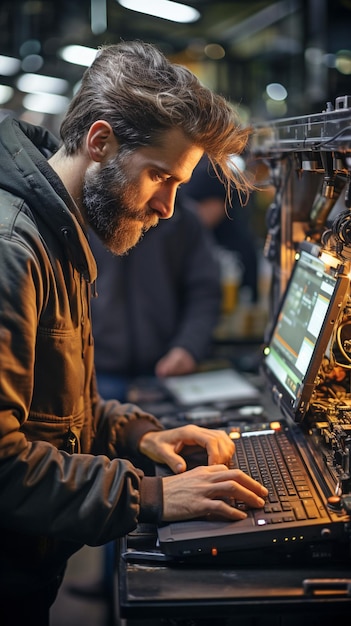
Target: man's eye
(159,178)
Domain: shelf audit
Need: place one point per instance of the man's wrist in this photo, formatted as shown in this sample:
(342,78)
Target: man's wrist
(151,500)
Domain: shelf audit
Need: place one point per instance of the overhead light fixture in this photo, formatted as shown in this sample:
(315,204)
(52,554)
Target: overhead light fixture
(32,63)
(46,103)
(214,51)
(276,91)
(80,55)
(343,62)
(37,83)
(98,16)
(9,65)
(6,93)
(166,9)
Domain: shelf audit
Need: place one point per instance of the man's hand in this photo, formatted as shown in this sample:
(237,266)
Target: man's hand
(164,446)
(177,361)
(203,491)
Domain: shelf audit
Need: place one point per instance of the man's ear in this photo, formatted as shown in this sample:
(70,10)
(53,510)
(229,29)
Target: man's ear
(101,142)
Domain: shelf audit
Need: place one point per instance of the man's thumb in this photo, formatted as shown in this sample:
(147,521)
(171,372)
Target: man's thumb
(177,464)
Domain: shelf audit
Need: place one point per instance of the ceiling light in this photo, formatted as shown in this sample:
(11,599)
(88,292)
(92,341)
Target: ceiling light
(9,65)
(237,162)
(32,63)
(98,16)
(166,9)
(214,51)
(80,55)
(343,62)
(6,93)
(31,46)
(36,83)
(46,103)
(276,91)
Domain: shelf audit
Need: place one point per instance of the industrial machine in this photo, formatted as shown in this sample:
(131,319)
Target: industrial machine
(309,164)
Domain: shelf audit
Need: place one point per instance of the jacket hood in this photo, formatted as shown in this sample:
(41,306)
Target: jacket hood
(25,172)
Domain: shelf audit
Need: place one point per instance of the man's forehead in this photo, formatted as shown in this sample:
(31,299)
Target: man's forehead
(175,154)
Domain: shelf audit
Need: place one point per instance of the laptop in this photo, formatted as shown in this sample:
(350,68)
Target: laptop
(304,518)
(223,386)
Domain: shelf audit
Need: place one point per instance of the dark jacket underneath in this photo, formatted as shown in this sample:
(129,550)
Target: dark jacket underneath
(164,293)
(61,482)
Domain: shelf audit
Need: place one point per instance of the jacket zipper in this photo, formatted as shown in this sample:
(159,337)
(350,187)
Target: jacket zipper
(71,442)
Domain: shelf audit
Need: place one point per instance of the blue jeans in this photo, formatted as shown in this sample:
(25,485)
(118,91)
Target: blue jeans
(112,386)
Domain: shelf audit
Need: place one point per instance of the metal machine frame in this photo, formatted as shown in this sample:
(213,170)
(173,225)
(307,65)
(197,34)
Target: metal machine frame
(309,160)
(309,164)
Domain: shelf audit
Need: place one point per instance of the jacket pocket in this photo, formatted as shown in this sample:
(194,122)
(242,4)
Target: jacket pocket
(62,433)
(59,376)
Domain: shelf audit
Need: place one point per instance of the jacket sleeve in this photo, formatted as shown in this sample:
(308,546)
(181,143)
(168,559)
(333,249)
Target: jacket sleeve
(119,428)
(44,490)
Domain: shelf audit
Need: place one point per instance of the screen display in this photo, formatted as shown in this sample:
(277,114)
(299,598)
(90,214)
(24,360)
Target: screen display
(300,321)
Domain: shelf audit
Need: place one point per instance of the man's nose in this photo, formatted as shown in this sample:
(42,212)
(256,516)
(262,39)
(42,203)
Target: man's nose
(163,202)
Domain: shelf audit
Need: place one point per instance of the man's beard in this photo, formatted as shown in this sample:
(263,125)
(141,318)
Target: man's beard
(110,204)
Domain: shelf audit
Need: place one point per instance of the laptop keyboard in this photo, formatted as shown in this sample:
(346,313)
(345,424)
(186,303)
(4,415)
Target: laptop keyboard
(270,459)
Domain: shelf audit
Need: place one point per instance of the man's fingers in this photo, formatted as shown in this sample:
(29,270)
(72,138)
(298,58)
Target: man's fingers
(231,485)
(219,446)
(237,479)
(220,510)
(209,490)
(234,491)
(220,451)
(249,483)
(157,444)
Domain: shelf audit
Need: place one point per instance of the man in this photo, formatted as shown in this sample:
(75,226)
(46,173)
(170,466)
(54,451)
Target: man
(134,131)
(157,306)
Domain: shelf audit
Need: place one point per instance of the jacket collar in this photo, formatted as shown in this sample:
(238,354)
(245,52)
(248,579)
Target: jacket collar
(24,150)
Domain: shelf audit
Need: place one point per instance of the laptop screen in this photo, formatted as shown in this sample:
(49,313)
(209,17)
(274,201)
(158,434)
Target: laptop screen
(303,328)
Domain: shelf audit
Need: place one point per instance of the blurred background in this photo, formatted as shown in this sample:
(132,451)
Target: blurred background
(269,58)
(272,58)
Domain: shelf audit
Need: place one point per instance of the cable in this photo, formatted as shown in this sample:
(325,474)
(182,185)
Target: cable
(339,134)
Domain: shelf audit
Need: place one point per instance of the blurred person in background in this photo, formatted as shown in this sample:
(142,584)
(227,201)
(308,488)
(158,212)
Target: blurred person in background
(229,225)
(157,306)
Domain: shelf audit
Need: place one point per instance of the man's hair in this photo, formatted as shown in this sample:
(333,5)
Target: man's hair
(133,87)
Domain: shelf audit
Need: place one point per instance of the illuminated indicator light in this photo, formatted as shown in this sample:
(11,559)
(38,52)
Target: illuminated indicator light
(301,537)
(286,538)
(261,522)
(293,538)
(214,552)
(274,541)
(334,502)
(275,425)
(234,434)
